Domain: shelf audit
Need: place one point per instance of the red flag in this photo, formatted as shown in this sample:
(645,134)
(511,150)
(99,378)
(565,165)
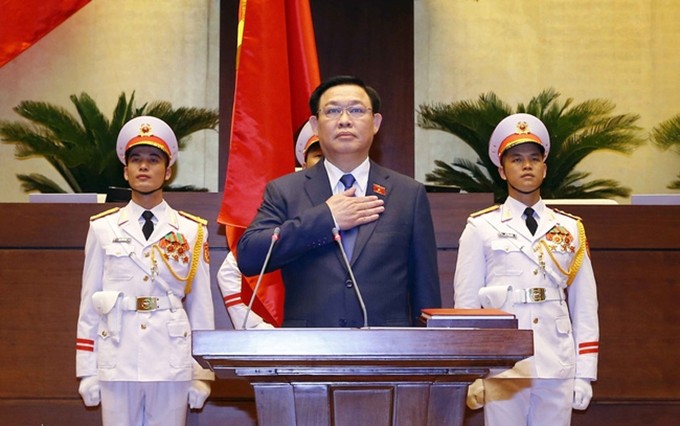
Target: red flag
(24,22)
(276,71)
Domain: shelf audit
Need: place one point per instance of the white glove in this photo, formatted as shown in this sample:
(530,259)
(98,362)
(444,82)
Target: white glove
(198,393)
(583,391)
(89,390)
(475,395)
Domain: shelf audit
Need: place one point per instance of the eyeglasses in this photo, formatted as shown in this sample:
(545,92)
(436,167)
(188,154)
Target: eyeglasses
(354,111)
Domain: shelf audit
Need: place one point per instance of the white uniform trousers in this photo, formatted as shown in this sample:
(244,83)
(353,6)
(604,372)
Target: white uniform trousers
(528,402)
(144,403)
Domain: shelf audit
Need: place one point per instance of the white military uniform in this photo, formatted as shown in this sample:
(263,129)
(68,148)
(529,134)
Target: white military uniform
(545,279)
(229,279)
(137,308)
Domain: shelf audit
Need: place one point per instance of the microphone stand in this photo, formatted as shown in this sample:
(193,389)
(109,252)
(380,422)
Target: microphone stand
(338,238)
(275,238)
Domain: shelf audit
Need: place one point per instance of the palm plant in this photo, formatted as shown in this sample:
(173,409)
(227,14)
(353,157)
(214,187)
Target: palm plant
(84,152)
(575,132)
(666,135)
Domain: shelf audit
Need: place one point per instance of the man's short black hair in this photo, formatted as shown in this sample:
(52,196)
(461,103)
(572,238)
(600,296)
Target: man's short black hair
(341,80)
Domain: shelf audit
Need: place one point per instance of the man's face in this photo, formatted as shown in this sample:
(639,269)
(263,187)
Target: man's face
(523,167)
(345,135)
(146,169)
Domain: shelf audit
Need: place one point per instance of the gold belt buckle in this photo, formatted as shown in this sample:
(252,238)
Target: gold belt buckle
(147,303)
(536,294)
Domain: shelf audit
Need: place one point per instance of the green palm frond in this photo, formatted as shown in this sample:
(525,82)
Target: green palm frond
(39,183)
(666,135)
(184,121)
(474,177)
(576,131)
(83,149)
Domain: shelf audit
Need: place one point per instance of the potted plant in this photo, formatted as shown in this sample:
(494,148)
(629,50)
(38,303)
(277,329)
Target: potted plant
(576,131)
(84,151)
(666,135)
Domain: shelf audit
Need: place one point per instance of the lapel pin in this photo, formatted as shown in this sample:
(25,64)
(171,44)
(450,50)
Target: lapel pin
(379,189)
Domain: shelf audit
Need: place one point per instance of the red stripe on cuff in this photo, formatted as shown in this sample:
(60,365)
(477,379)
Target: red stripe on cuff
(85,345)
(588,348)
(85,348)
(232,299)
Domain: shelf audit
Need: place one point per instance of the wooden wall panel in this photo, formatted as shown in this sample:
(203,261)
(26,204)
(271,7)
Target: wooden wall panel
(639,325)
(626,227)
(38,313)
(635,250)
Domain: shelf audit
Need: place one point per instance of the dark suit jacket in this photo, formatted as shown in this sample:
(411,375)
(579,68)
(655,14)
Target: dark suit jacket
(394,259)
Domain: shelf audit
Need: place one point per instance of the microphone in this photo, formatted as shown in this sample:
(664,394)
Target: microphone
(338,239)
(275,238)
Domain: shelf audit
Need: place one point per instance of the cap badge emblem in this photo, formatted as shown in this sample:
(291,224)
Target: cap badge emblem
(145,130)
(522,128)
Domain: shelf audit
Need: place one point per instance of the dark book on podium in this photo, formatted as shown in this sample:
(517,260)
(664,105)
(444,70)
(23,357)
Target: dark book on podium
(467,318)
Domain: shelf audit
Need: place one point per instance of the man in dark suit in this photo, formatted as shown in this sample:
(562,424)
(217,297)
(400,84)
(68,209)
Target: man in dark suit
(383,217)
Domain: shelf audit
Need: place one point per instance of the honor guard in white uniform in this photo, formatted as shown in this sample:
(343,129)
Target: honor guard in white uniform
(146,287)
(229,279)
(525,258)
(307,147)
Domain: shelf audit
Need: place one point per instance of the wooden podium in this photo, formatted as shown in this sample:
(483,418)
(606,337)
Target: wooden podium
(356,377)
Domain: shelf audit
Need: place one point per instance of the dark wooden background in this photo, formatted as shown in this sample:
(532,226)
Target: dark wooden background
(635,253)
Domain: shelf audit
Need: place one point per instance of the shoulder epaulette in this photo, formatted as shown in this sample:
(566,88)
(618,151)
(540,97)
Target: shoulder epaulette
(484,211)
(194,218)
(573,216)
(104,213)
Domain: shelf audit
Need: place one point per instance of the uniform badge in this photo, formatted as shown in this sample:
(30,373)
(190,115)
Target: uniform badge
(175,247)
(560,239)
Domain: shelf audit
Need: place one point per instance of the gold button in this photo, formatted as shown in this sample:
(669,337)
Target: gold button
(146,278)
(147,254)
(104,333)
(535,271)
(143,326)
(185,334)
(535,320)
